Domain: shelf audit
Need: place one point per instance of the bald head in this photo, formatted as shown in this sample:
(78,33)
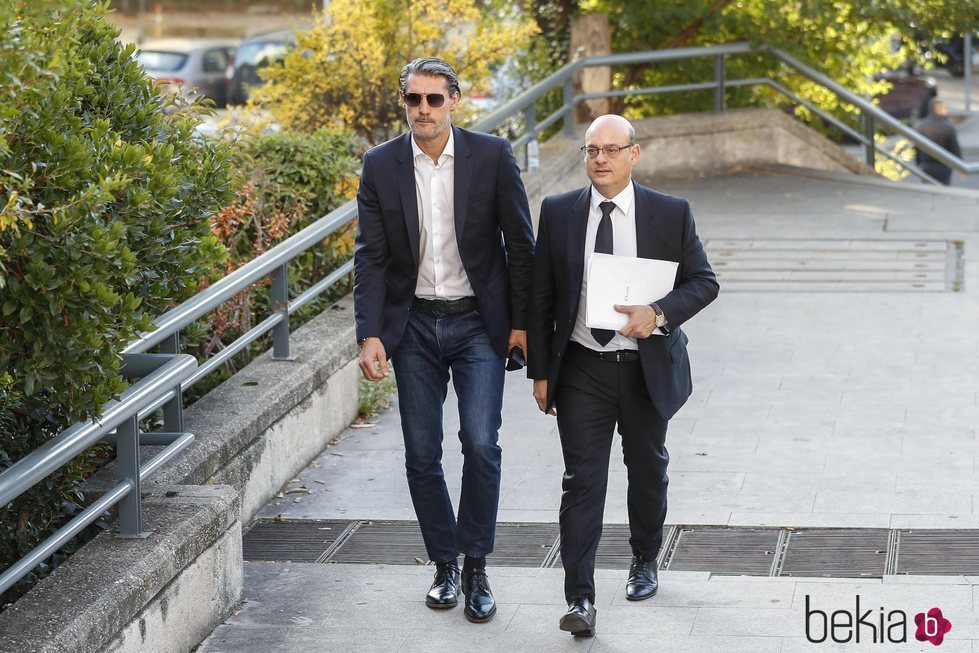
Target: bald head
(612,139)
(613,121)
(937,107)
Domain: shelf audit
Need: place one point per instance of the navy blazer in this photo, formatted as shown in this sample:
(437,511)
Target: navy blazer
(493,232)
(664,230)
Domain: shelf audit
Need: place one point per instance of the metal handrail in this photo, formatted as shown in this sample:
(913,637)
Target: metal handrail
(161,374)
(564,78)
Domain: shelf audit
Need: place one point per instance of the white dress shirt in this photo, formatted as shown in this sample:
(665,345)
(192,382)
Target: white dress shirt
(440,271)
(623,244)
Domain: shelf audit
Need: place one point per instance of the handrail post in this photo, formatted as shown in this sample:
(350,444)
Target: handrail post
(967,71)
(127,462)
(173,410)
(280,304)
(869,148)
(719,78)
(569,107)
(532,149)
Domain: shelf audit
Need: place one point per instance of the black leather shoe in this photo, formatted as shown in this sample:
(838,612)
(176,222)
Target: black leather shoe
(445,588)
(643,581)
(480,604)
(579,620)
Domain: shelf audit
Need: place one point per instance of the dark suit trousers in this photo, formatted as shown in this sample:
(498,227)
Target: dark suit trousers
(592,395)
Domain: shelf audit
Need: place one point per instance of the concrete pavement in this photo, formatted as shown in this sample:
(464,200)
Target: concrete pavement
(851,404)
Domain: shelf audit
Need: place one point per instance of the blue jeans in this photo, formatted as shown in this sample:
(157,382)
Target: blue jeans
(430,348)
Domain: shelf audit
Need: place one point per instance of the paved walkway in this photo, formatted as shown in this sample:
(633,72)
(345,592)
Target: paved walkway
(850,405)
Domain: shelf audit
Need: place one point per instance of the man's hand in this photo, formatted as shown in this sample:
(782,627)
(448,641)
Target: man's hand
(518,338)
(642,320)
(373,360)
(540,394)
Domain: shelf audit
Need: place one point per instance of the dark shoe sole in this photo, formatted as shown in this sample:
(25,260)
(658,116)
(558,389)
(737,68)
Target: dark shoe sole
(576,626)
(480,620)
(441,606)
(632,597)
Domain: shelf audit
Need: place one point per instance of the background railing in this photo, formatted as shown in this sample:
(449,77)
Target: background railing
(873,119)
(165,376)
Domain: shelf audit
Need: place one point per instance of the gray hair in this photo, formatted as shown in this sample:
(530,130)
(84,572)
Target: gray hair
(433,67)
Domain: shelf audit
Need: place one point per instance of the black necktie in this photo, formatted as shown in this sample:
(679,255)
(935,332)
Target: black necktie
(603,245)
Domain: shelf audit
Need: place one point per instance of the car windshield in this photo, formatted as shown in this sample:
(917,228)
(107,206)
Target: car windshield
(163,61)
(261,53)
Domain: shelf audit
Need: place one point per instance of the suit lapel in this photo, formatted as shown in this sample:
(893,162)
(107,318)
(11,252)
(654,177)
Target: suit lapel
(463,175)
(577,226)
(645,224)
(406,189)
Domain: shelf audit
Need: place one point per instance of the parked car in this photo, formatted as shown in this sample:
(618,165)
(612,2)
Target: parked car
(254,53)
(909,96)
(189,66)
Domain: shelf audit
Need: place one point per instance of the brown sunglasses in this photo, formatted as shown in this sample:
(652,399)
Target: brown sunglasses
(435,100)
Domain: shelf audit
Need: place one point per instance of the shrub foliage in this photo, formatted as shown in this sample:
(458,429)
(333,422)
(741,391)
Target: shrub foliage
(288,180)
(105,198)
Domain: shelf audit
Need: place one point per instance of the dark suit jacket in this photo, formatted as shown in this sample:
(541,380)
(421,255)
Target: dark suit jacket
(493,232)
(664,230)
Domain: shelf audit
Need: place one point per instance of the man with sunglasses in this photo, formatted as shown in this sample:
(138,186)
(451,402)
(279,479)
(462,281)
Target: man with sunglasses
(637,377)
(442,266)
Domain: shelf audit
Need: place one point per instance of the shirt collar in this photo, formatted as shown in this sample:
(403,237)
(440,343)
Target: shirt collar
(623,200)
(450,147)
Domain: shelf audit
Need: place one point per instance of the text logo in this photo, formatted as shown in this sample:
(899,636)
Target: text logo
(873,625)
(932,626)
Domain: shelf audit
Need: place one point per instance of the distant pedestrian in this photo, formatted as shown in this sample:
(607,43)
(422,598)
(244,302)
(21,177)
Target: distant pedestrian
(937,128)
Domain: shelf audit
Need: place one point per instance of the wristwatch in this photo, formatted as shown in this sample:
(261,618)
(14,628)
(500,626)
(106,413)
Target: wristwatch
(660,316)
(360,343)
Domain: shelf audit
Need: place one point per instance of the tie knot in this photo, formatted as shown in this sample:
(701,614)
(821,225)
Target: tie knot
(607,207)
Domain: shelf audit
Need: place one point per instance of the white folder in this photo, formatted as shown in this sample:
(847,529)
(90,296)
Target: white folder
(624,280)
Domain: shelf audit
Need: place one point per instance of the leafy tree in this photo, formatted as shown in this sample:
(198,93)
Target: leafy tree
(848,40)
(106,194)
(344,70)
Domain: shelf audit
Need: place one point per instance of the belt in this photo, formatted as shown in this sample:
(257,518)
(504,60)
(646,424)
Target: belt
(618,356)
(440,307)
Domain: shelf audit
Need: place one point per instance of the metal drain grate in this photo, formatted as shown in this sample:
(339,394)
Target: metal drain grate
(937,552)
(294,541)
(382,543)
(523,544)
(725,551)
(614,551)
(836,553)
(837,265)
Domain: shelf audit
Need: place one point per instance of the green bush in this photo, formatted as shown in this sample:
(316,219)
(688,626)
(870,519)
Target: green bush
(105,199)
(288,180)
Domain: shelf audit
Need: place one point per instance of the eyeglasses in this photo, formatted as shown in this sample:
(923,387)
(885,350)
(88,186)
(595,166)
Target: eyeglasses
(435,100)
(610,150)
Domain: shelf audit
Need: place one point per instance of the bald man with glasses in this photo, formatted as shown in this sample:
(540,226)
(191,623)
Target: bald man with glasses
(442,272)
(595,380)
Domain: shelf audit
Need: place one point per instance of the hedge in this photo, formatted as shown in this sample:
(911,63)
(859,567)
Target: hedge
(106,195)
